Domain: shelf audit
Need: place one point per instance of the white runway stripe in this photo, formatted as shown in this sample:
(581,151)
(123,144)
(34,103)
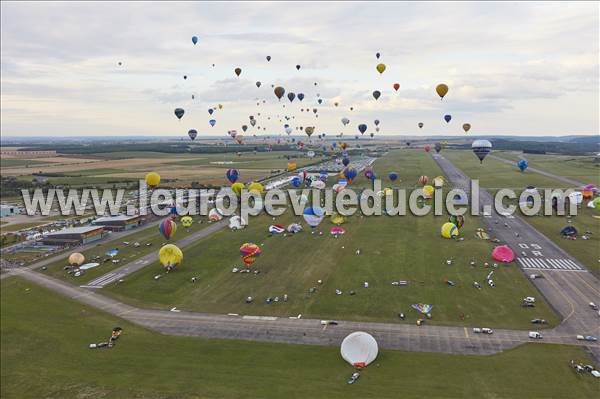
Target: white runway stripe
(549,264)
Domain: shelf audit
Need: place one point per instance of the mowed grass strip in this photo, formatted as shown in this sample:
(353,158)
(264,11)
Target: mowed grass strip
(45,353)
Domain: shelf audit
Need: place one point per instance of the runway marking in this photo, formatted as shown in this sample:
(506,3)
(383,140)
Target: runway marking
(549,264)
(563,295)
(466,333)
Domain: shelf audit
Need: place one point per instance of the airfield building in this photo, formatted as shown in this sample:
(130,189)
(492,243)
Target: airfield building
(74,236)
(119,222)
(9,210)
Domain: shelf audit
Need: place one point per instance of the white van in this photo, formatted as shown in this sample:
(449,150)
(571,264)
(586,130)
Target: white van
(535,335)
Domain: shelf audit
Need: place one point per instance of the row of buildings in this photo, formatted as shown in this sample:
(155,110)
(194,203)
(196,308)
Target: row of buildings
(95,231)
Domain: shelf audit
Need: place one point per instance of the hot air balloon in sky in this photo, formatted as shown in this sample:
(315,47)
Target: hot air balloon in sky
(194,40)
(300,96)
(237,71)
(212,122)
(232,175)
(376,94)
(152,179)
(466,127)
(249,252)
(447,118)
(481,148)
(279,92)
(441,90)
(268,58)
(167,228)
(192,133)
(179,112)
(420,125)
(396,86)
(362,128)
(170,256)
(380,68)
(349,173)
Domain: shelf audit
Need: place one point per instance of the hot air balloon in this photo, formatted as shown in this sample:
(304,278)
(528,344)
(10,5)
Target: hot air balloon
(396,86)
(256,187)
(279,92)
(210,111)
(359,349)
(244,127)
(291,96)
(346,161)
(268,58)
(503,253)
(238,71)
(449,230)
(170,256)
(212,122)
(300,96)
(345,121)
(76,259)
(427,148)
(192,133)
(393,176)
(167,228)
(441,90)
(232,175)
(194,40)
(179,112)
(313,215)
(522,164)
(349,173)
(152,179)
(481,148)
(466,127)
(362,128)
(214,215)
(423,180)
(376,122)
(237,188)
(187,221)
(249,252)
(457,220)
(437,147)
(298,67)
(447,118)
(420,125)
(258,84)
(380,68)
(376,94)
(309,130)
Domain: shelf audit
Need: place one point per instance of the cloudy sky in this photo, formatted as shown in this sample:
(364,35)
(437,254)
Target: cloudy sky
(520,69)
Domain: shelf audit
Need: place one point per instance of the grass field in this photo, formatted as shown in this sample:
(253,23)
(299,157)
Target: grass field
(127,253)
(45,354)
(393,248)
(580,168)
(586,251)
(9,162)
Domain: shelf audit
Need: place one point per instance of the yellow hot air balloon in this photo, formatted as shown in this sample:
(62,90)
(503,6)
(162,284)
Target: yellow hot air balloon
(152,179)
(291,166)
(380,68)
(388,191)
(256,187)
(220,106)
(186,221)
(466,127)
(442,90)
(439,181)
(428,190)
(237,188)
(76,259)
(338,219)
(449,230)
(170,256)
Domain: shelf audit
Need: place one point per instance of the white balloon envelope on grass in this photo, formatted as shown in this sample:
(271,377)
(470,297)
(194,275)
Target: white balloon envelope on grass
(359,349)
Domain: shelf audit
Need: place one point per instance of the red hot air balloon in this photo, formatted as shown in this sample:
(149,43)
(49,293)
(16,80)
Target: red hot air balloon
(396,86)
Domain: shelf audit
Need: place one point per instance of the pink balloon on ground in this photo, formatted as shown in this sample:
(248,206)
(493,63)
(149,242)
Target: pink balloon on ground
(503,253)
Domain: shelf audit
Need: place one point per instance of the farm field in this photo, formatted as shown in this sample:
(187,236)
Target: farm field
(391,249)
(41,331)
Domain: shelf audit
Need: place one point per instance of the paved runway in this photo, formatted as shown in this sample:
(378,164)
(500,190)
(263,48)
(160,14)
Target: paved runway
(569,181)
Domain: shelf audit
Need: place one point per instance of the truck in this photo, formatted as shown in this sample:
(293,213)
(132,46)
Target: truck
(535,335)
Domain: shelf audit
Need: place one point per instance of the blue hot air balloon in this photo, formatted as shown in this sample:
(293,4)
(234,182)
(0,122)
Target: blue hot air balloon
(346,161)
(447,118)
(350,173)
(232,175)
(212,122)
(300,96)
(522,164)
(296,181)
(362,128)
(393,176)
(210,111)
(194,40)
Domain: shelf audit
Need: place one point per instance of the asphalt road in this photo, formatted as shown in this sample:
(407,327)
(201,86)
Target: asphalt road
(568,290)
